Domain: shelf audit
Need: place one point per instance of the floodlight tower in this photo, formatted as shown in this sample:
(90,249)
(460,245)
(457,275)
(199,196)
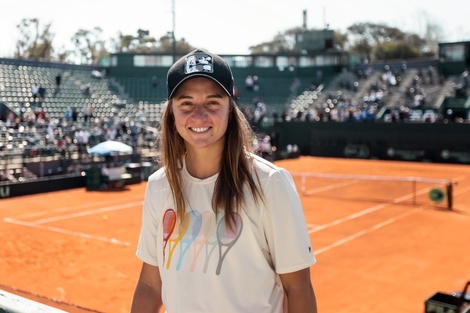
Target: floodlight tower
(173,47)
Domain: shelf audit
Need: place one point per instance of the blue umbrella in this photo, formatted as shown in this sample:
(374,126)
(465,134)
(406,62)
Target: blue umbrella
(110,147)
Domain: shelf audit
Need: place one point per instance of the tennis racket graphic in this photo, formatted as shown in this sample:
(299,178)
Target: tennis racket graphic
(227,237)
(176,238)
(194,227)
(208,225)
(212,241)
(169,222)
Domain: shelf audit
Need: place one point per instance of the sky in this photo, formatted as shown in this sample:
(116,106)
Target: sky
(226,26)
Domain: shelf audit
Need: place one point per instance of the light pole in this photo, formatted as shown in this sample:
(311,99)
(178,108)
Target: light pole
(173,48)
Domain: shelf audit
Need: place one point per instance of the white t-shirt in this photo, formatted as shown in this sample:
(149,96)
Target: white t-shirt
(208,267)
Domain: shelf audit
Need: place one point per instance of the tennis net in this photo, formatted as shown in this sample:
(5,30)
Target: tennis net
(389,189)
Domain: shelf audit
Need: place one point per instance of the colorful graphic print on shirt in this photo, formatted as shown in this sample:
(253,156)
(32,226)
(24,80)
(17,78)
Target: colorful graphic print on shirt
(200,232)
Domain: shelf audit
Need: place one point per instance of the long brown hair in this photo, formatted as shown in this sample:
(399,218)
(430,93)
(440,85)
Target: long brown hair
(236,170)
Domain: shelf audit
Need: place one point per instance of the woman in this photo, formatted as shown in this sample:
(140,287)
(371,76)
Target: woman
(223,230)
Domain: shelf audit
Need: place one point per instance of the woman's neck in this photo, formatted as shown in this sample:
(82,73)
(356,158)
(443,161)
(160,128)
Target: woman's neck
(202,163)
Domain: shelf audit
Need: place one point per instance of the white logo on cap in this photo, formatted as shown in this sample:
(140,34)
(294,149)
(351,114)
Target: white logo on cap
(198,63)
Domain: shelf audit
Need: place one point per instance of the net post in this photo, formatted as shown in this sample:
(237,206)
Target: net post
(449,195)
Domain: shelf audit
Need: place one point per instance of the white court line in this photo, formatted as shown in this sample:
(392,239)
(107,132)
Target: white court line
(329,187)
(57,210)
(366,231)
(349,217)
(461,191)
(89,212)
(68,232)
(459,178)
(316,228)
(38,223)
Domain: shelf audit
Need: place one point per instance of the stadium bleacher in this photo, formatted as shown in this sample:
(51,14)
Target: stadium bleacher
(134,103)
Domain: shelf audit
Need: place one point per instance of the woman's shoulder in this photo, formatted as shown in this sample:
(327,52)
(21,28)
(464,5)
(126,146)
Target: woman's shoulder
(265,168)
(272,175)
(158,178)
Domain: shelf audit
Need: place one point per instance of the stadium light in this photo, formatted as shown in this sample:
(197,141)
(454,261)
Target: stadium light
(173,31)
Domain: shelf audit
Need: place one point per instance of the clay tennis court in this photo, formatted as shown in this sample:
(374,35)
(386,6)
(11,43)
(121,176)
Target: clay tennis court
(381,246)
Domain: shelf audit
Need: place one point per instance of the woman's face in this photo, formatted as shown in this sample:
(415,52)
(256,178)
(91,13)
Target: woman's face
(201,109)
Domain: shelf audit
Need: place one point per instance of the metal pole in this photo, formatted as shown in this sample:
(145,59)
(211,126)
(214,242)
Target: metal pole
(173,32)
(449,196)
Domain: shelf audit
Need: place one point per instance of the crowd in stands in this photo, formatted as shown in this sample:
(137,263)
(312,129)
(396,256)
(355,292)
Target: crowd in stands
(394,95)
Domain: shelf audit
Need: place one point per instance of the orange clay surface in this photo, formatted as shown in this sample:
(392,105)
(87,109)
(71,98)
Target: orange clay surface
(75,249)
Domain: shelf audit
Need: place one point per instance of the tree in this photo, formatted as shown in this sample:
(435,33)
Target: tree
(143,43)
(140,43)
(123,43)
(341,40)
(181,45)
(379,41)
(283,42)
(399,49)
(89,46)
(367,40)
(367,35)
(35,41)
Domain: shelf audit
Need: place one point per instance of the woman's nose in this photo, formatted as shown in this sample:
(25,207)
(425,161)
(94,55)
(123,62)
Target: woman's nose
(199,112)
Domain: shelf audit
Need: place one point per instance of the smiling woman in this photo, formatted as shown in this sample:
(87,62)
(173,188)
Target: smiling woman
(224,196)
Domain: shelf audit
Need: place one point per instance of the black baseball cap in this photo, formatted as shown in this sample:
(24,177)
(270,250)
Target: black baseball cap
(200,63)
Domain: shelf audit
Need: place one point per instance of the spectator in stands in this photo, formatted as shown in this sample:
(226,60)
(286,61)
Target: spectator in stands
(74,115)
(111,133)
(58,81)
(118,102)
(82,136)
(10,119)
(29,117)
(403,67)
(154,81)
(34,91)
(141,116)
(319,76)
(41,118)
(265,148)
(88,112)
(249,82)
(86,90)
(68,114)
(85,112)
(260,110)
(50,134)
(255,83)
(41,92)
(212,190)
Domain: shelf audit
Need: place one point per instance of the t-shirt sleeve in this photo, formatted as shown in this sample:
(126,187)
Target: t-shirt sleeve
(286,229)
(147,246)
